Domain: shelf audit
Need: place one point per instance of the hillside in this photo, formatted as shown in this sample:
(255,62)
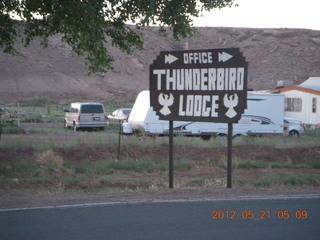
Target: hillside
(56,72)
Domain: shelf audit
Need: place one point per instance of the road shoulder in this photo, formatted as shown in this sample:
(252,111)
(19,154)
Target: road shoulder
(8,201)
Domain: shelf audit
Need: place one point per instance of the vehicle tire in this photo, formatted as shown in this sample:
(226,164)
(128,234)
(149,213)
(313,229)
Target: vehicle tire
(75,127)
(294,133)
(221,136)
(205,137)
(237,136)
(65,124)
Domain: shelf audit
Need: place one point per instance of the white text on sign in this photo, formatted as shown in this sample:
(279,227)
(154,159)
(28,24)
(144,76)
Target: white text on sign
(203,79)
(198,105)
(197,57)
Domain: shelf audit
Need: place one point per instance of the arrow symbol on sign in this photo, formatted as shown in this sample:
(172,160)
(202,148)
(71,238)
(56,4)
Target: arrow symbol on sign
(170,58)
(223,57)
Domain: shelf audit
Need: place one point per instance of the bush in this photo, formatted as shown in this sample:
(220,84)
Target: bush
(32,119)
(50,160)
(263,182)
(11,129)
(251,165)
(314,163)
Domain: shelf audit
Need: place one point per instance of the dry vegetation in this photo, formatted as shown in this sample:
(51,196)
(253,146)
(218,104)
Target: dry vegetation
(62,161)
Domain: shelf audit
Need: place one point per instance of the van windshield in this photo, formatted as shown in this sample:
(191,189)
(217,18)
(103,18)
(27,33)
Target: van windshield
(91,109)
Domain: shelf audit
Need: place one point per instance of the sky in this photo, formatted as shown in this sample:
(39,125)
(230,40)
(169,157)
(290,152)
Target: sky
(265,14)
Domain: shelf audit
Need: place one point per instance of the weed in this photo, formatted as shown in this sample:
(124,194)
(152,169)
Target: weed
(18,170)
(50,163)
(105,181)
(293,180)
(54,172)
(11,129)
(290,180)
(314,163)
(214,183)
(137,166)
(263,182)
(313,133)
(5,169)
(49,158)
(287,165)
(251,165)
(197,182)
(19,144)
(32,119)
(92,168)
(182,166)
(40,180)
(242,181)
(222,162)
(286,180)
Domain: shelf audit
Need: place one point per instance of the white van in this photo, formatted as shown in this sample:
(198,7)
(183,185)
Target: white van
(264,115)
(85,115)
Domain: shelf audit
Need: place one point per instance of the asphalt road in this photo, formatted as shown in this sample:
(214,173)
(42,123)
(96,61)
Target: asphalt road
(285,218)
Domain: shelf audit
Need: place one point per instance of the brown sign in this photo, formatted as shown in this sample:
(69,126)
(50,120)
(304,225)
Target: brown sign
(199,85)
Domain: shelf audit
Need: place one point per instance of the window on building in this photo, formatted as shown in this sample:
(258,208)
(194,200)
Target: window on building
(293,104)
(314,105)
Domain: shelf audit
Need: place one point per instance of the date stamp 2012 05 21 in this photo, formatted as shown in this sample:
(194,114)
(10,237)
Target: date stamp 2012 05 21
(261,214)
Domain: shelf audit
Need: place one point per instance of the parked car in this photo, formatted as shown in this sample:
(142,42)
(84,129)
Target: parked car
(293,127)
(85,115)
(5,116)
(119,116)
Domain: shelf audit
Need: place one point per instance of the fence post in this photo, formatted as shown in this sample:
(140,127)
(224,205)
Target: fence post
(119,140)
(0,129)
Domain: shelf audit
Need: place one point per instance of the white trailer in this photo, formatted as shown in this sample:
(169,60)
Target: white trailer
(264,115)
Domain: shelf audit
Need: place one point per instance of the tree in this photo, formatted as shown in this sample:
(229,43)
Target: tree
(87,24)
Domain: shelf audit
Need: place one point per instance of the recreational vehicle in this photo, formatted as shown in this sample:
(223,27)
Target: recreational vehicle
(264,115)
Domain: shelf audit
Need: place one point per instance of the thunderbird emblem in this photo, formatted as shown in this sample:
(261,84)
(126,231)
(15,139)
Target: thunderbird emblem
(231,102)
(166,101)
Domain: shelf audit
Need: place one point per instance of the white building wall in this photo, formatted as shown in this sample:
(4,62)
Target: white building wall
(306,115)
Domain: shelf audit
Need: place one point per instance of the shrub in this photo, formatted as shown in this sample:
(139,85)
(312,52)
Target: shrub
(263,182)
(50,159)
(252,165)
(314,163)
(32,119)
(11,129)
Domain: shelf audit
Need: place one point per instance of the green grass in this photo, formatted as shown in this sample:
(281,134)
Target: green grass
(251,165)
(263,182)
(12,129)
(311,138)
(284,180)
(314,163)
(197,182)
(237,163)
(108,167)
(107,174)
(18,169)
